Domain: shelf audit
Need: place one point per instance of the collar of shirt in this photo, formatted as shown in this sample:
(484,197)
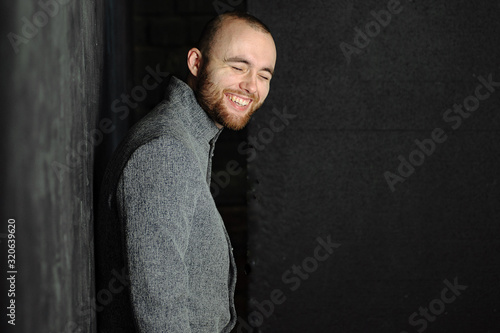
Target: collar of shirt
(203,126)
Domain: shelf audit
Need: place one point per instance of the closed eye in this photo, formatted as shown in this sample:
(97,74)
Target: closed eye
(237,68)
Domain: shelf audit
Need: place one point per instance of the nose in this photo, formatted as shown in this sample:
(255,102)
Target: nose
(249,83)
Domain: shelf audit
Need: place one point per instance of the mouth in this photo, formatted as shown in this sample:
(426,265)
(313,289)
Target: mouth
(238,102)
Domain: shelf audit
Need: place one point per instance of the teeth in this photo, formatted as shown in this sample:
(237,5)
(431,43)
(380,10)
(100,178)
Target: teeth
(238,100)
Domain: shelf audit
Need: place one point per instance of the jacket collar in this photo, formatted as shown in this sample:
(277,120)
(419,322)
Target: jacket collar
(180,94)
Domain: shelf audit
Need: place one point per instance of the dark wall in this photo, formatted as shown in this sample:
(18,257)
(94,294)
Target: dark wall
(354,226)
(51,65)
(117,84)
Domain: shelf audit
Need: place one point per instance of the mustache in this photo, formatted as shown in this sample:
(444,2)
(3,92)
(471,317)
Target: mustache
(254,97)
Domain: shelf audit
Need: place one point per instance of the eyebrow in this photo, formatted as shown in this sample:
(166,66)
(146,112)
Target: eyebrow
(245,61)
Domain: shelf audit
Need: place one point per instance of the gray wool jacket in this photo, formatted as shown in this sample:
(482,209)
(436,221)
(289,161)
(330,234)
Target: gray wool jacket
(164,261)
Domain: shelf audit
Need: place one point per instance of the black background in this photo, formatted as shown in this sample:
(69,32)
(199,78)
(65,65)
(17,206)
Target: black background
(324,173)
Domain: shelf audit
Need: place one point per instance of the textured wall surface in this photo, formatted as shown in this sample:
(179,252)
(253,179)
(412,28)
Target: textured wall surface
(354,226)
(51,64)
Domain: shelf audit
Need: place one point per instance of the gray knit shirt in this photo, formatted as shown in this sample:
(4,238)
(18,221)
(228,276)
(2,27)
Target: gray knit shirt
(159,230)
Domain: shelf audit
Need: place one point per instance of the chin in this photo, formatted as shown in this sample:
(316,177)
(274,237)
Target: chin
(234,122)
(233,119)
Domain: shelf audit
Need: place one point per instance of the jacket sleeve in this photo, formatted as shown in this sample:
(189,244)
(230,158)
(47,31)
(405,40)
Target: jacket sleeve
(157,199)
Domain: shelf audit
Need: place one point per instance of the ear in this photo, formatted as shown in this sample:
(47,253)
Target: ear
(194,59)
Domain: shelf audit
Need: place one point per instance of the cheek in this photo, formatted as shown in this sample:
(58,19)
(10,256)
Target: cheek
(264,91)
(225,80)
(232,82)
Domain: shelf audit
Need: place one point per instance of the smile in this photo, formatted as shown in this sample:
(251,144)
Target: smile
(238,101)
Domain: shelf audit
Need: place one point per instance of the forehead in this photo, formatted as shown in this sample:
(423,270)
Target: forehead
(238,38)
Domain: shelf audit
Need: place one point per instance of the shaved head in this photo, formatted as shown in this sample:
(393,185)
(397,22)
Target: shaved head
(209,33)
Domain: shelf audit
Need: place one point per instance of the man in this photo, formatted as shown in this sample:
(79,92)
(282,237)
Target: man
(163,256)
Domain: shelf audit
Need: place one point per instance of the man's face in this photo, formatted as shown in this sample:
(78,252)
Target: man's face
(234,81)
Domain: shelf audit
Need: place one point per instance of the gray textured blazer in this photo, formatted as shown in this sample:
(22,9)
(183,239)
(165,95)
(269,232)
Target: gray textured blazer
(164,261)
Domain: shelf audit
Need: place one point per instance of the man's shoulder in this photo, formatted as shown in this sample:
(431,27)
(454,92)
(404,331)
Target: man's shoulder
(153,138)
(174,146)
(162,124)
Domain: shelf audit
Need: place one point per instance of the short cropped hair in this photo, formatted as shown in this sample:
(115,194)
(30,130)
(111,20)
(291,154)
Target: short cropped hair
(212,27)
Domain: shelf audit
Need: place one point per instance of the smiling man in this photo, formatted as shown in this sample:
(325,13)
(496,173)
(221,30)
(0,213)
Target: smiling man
(164,261)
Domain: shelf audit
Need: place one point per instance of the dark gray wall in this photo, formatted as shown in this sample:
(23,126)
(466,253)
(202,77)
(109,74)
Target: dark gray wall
(322,174)
(51,90)
(117,84)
